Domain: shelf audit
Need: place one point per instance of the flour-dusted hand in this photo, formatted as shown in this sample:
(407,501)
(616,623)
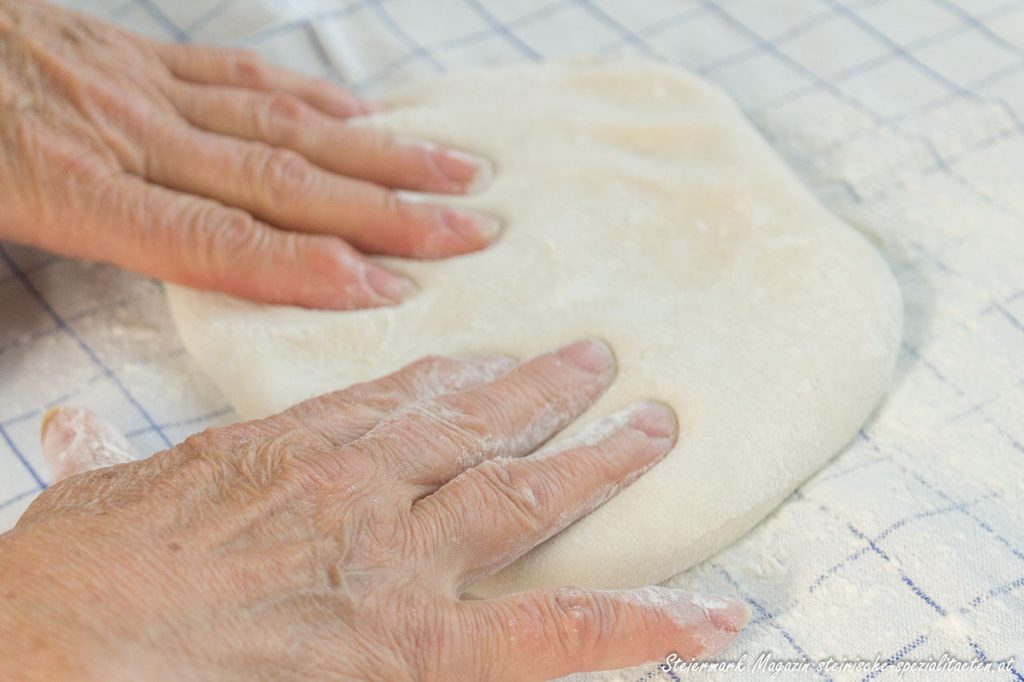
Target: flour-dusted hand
(209,167)
(333,541)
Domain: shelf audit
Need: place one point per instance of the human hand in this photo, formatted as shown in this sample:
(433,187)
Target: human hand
(208,167)
(333,541)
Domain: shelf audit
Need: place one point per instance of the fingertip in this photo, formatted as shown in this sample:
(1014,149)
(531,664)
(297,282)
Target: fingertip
(331,274)
(75,439)
(484,175)
(48,416)
(591,355)
(368,108)
(468,173)
(426,229)
(386,284)
(475,228)
(57,432)
(654,419)
(728,614)
(710,622)
(443,169)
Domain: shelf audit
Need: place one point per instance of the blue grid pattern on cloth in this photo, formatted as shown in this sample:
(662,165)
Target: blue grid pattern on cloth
(904,116)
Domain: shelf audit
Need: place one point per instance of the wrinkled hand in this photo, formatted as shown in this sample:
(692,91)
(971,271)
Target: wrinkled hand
(333,541)
(208,167)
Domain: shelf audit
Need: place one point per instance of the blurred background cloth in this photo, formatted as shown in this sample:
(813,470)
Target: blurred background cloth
(903,116)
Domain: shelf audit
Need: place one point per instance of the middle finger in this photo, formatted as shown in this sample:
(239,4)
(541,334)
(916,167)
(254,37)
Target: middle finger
(429,442)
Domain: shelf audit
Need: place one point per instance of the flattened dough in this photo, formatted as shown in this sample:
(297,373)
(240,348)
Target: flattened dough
(641,207)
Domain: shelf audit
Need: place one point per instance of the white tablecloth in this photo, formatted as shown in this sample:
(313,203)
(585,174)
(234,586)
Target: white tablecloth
(904,116)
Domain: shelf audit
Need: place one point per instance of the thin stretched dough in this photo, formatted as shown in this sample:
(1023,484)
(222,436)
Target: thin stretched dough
(641,207)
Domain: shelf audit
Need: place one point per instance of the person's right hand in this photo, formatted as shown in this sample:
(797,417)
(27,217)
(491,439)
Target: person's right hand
(333,541)
(209,167)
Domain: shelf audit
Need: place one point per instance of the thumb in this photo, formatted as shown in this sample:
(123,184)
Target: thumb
(76,440)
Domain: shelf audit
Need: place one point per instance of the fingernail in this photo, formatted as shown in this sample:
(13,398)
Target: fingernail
(725,613)
(654,419)
(718,618)
(590,355)
(470,171)
(471,225)
(75,440)
(54,434)
(393,287)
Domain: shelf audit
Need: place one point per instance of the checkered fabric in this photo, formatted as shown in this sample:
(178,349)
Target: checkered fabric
(903,116)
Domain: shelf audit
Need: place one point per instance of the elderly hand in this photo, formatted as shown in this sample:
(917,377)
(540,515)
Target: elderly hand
(209,167)
(333,541)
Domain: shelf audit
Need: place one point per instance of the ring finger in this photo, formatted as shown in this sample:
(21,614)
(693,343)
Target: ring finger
(432,441)
(282,187)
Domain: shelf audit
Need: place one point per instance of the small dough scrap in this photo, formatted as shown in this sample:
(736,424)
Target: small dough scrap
(640,207)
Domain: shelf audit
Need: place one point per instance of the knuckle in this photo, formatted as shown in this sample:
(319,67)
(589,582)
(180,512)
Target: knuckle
(390,205)
(256,453)
(582,622)
(95,173)
(285,174)
(199,458)
(232,227)
(250,69)
(510,481)
(281,119)
(257,464)
(217,237)
(441,420)
(324,258)
(212,440)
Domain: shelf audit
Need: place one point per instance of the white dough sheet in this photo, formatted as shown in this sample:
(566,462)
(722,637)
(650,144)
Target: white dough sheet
(641,207)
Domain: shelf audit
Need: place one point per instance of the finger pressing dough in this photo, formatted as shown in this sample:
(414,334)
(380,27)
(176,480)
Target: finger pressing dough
(640,207)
